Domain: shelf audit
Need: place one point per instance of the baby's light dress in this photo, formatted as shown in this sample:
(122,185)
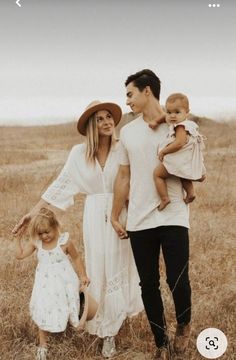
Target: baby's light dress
(55,296)
(109,260)
(186,163)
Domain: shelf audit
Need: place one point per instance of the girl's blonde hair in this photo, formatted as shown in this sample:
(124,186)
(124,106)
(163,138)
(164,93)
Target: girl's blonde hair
(92,139)
(45,217)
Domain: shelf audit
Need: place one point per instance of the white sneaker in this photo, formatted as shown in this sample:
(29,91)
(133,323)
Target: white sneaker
(109,347)
(41,353)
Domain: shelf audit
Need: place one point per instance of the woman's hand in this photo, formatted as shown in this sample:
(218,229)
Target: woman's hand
(22,224)
(119,229)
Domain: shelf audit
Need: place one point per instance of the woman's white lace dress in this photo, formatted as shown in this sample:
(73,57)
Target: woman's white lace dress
(55,296)
(109,260)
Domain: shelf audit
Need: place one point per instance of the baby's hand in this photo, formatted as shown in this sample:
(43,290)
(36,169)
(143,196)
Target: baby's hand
(161,156)
(153,125)
(159,120)
(84,280)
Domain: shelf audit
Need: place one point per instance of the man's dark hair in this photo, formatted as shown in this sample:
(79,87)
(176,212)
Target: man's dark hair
(144,78)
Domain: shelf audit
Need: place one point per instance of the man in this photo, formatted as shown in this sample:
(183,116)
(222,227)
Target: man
(148,228)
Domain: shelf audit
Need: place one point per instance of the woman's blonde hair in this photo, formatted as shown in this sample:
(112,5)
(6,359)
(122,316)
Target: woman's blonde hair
(45,217)
(92,139)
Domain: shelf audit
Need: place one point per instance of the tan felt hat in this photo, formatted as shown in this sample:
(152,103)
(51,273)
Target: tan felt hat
(95,106)
(88,306)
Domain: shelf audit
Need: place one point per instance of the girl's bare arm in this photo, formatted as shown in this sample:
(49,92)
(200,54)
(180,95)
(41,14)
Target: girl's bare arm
(78,263)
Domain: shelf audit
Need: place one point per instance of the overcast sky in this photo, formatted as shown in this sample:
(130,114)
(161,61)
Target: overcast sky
(57,56)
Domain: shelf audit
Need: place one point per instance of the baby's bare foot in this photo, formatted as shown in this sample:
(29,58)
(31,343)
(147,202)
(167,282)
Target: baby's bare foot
(202,178)
(163,204)
(189,198)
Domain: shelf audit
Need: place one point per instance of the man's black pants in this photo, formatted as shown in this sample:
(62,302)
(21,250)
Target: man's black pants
(146,246)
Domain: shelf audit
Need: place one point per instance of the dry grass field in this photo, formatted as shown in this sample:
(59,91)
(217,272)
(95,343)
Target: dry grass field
(30,157)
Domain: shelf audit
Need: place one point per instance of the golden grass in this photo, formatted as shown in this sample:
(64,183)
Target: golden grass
(30,158)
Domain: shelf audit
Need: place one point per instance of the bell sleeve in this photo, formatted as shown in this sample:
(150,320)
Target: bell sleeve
(62,191)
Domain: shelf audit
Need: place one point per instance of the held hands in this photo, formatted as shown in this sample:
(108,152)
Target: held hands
(20,227)
(119,229)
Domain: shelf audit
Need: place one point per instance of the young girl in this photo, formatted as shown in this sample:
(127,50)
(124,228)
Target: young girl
(55,296)
(181,154)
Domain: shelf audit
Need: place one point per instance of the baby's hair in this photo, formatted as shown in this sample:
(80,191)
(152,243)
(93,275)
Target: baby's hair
(43,217)
(178,96)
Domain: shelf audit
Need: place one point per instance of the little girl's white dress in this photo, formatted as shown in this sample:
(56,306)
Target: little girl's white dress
(55,296)
(186,163)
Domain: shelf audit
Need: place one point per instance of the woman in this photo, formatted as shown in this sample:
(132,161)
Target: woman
(91,169)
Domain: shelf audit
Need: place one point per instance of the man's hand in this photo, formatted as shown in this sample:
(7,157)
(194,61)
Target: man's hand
(119,229)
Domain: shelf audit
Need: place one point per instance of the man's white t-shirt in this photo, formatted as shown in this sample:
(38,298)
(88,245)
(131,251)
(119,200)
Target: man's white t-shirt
(138,148)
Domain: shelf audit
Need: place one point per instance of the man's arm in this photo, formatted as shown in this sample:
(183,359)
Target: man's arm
(121,193)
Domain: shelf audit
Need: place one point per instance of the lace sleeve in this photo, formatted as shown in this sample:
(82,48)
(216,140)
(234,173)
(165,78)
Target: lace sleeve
(61,192)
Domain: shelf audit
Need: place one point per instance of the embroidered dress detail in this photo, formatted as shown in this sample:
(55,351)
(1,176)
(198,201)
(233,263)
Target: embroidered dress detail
(55,296)
(117,281)
(63,182)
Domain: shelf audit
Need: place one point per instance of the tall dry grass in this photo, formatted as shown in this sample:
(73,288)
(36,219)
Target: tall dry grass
(30,159)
